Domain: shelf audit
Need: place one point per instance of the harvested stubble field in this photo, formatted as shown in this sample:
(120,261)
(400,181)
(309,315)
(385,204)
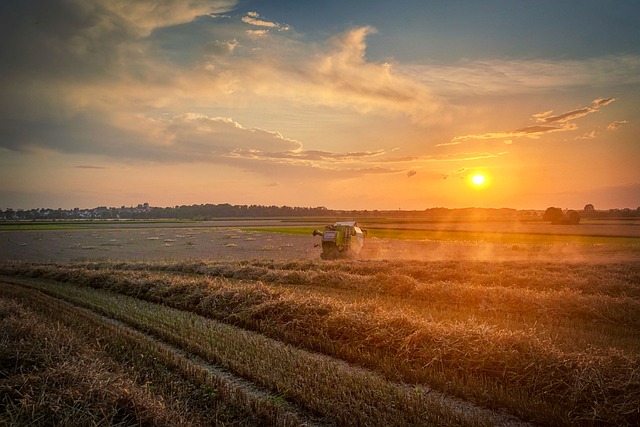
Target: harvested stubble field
(293,342)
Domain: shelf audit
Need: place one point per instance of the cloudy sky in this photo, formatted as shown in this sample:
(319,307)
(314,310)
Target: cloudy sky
(345,104)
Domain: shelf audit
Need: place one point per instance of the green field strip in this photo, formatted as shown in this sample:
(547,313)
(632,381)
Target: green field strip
(326,386)
(499,237)
(470,236)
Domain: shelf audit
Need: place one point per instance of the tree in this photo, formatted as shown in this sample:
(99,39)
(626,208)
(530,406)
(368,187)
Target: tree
(573,217)
(589,211)
(553,215)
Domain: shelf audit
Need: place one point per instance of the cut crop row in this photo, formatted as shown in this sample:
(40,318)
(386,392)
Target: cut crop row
(342,393)
(530,376)
(60,367)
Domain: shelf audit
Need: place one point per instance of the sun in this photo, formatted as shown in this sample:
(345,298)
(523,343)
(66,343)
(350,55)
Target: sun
(478,179)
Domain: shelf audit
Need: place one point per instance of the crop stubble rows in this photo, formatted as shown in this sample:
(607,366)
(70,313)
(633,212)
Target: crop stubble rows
(62,365)
(551,343)
(350,396)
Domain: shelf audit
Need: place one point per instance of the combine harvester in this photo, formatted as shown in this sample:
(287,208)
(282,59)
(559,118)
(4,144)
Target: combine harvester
(341,240)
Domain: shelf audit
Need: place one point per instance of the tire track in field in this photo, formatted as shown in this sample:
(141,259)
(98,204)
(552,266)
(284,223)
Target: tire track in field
(294,414)
(232,388)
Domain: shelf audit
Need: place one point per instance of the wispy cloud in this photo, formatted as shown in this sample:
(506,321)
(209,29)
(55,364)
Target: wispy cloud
(589,135)
(257,33)
(549,123)
(452,157)
(253,18)
(308,155)
(458,173)
(617,124)
(487,77)
(547,116)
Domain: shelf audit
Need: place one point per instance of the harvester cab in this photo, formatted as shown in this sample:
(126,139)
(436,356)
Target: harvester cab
(341,240)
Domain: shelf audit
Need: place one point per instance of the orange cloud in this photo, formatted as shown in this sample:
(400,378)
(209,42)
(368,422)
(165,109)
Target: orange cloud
(337,74)
(550,123)
(144,16)
(617,124)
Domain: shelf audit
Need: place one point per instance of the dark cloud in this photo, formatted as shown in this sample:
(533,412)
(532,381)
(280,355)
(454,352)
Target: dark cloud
(71,69)
(411,173)
(63,39)
(86,76)
(89,136)
(184,138)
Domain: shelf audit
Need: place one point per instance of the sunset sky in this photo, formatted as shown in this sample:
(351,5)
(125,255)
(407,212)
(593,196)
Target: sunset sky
(348,104)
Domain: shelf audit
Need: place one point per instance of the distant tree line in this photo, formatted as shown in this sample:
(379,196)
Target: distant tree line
(226,210)
(556,215)
(144,211)
(590,212)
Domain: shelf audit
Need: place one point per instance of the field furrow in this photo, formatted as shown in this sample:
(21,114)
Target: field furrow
(559,354)
(341,393)
(217,387)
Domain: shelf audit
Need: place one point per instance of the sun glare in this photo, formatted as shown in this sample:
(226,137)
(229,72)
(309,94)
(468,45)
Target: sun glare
(478,179)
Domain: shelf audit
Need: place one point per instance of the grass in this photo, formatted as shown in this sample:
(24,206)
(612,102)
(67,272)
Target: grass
(471,236)
(556,344)
(500,237)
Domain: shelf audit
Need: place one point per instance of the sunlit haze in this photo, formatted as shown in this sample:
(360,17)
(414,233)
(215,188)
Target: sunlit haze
(348,105)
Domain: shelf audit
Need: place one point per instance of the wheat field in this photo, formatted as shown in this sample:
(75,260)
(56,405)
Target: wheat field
(367,342)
